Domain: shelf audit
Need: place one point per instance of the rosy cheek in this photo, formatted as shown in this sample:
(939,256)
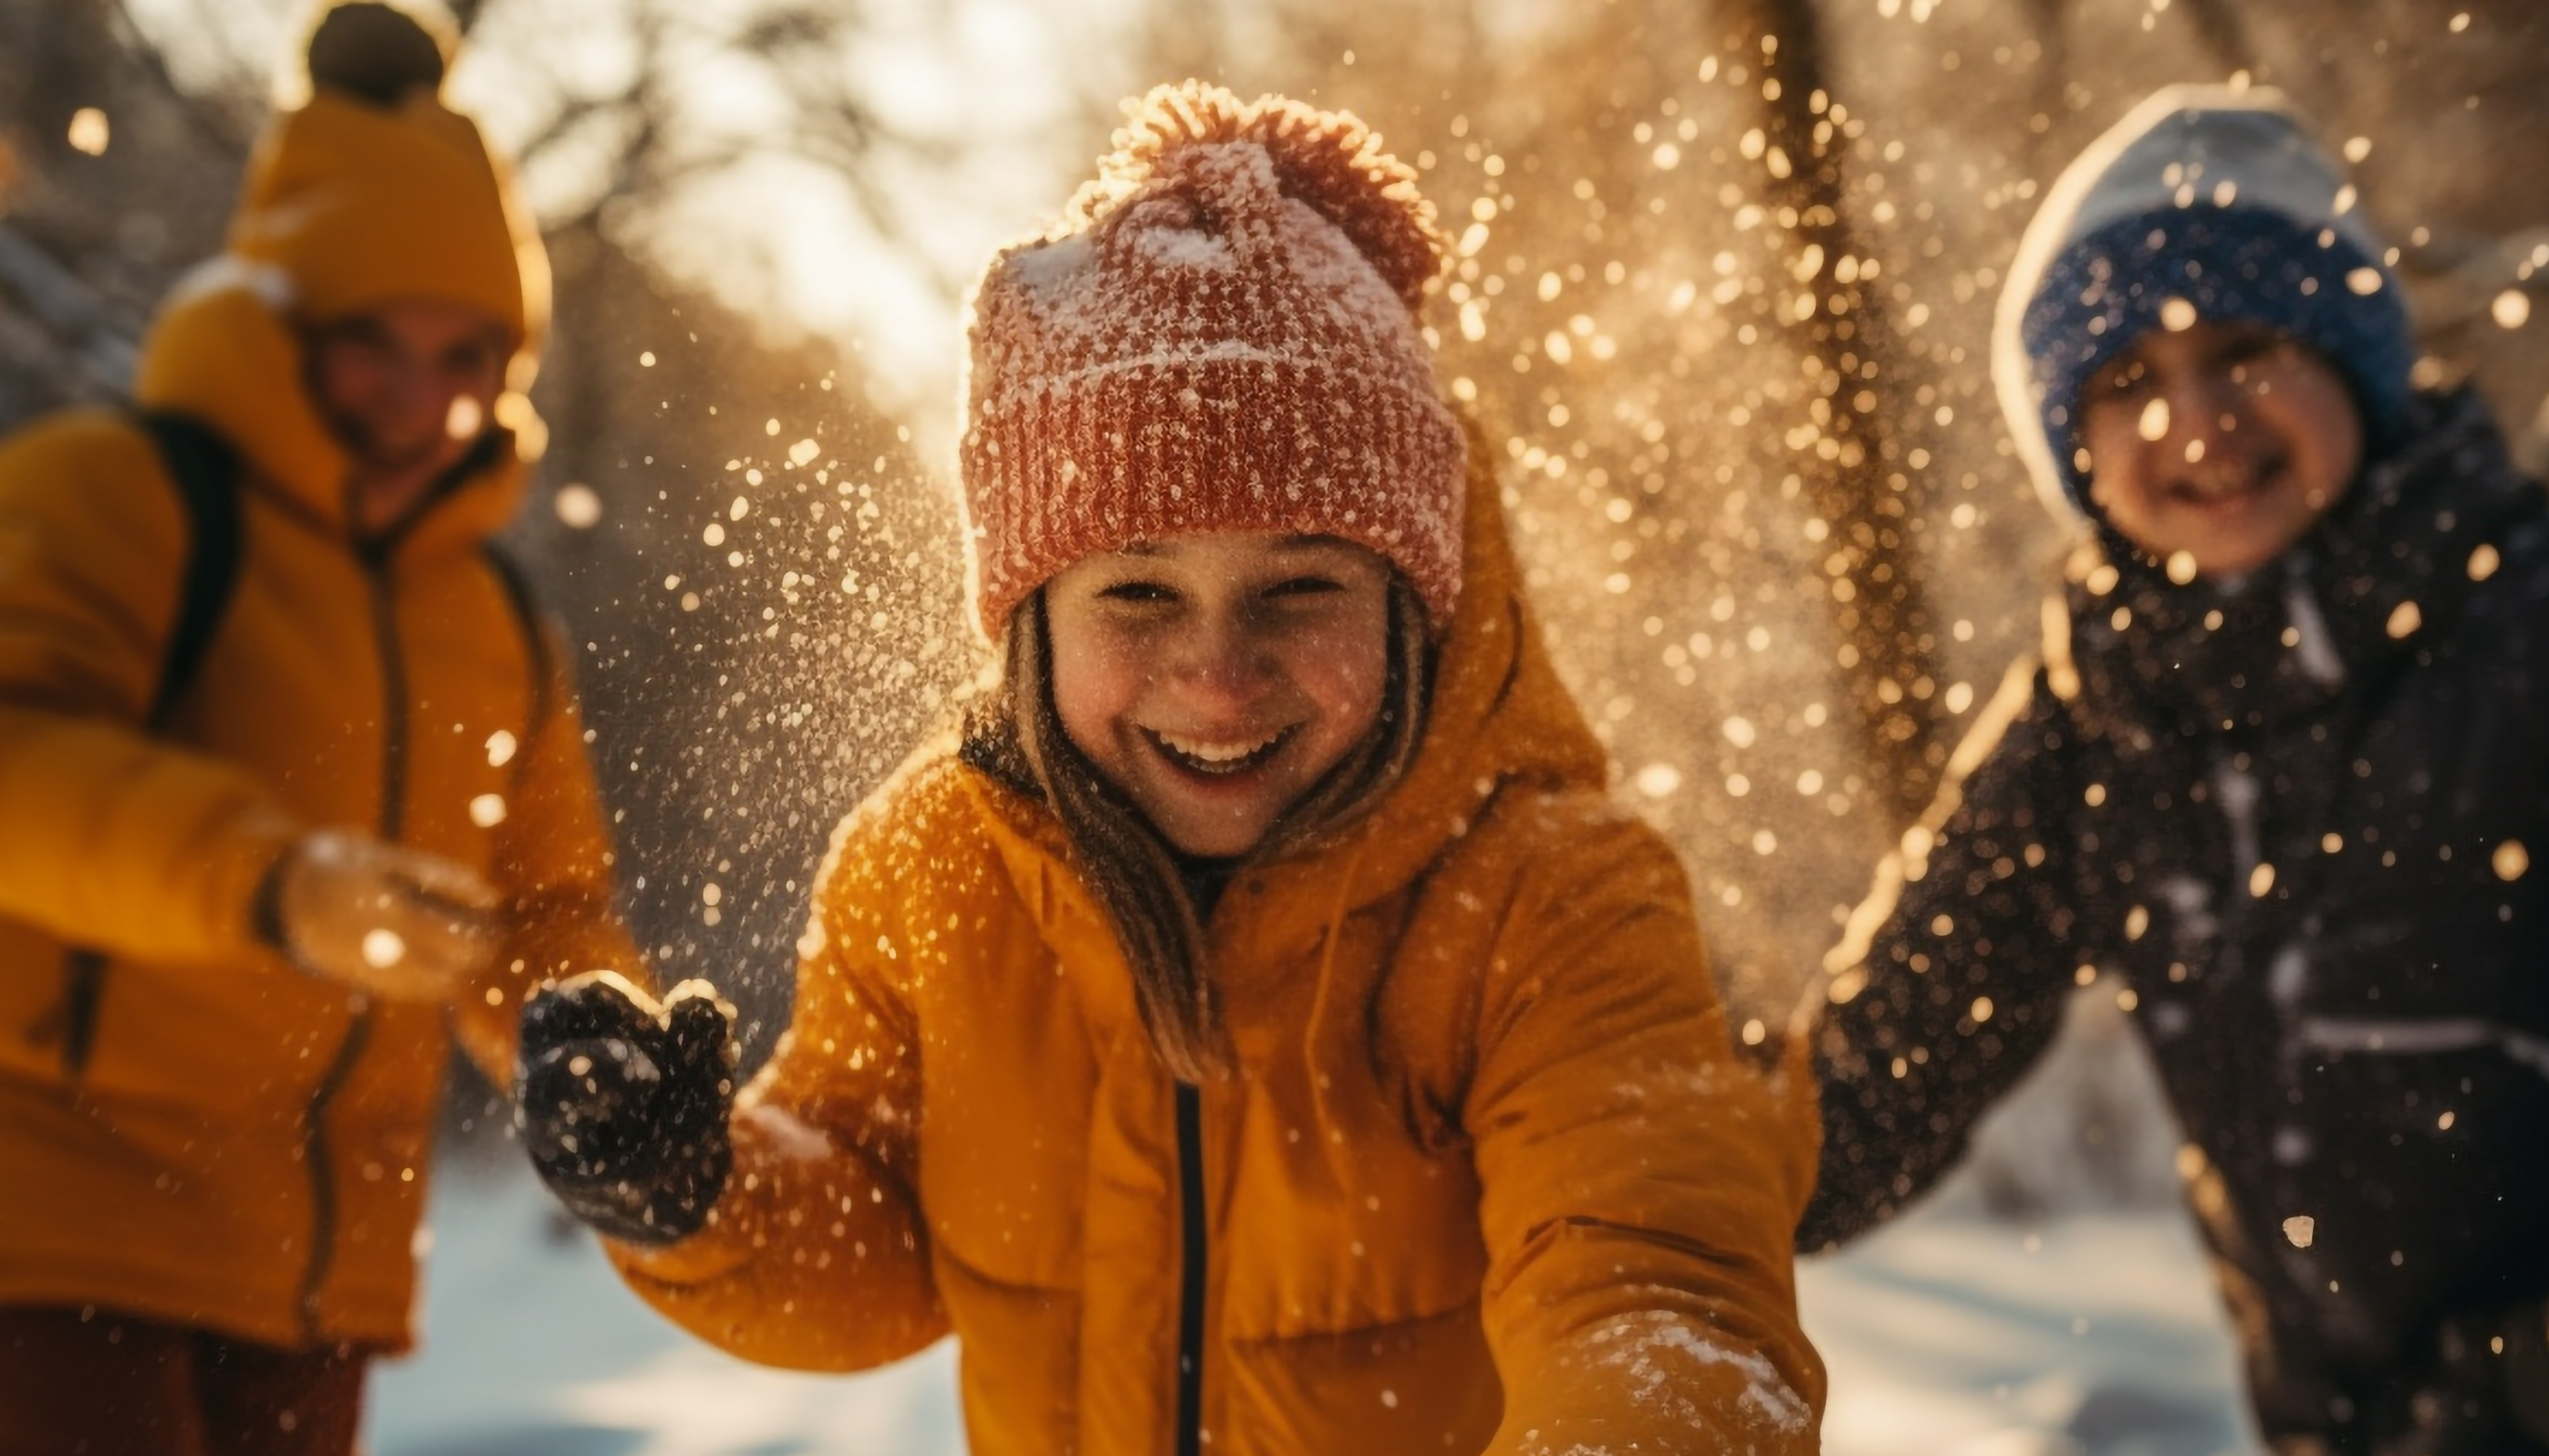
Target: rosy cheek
(1094,680)
(1348,685)
(1084,727)
(344,381)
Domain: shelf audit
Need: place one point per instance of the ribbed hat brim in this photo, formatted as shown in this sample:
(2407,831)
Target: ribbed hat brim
(1227,438)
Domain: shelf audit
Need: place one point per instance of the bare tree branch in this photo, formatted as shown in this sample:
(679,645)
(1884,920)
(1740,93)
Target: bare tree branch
(1862,487)
(228,111)
(84,326)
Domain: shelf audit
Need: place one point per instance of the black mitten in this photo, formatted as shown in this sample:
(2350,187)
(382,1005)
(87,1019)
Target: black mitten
(623,1105)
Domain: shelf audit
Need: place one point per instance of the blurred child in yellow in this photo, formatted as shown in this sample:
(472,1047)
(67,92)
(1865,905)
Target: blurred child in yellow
(253,881)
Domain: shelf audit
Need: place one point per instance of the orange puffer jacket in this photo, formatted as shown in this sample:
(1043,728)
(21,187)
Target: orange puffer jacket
(243,1146)
(1486,1179)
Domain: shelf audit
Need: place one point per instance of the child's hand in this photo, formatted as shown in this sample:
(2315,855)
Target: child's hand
(623,1105)
(382,919)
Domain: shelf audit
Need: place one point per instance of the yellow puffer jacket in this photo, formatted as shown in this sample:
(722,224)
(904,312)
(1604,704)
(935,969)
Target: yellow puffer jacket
(245,1147)
(1487,1179)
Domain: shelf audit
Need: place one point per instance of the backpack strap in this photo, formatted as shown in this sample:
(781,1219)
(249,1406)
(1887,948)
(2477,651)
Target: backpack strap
(204,470)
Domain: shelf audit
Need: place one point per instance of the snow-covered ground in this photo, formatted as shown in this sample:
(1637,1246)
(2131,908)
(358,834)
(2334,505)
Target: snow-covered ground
(1952,1333)
(1947,1334)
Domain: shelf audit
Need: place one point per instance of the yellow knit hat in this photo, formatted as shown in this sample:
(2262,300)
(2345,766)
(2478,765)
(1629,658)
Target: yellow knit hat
(375,190)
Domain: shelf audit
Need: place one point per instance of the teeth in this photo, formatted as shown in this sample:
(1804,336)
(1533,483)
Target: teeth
(1215,755)
(2229,481)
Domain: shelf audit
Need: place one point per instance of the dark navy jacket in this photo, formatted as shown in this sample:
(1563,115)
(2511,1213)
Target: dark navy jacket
(2303,821)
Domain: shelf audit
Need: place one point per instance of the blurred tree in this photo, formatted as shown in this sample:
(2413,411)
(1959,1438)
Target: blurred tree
(120,182)
(1856,477)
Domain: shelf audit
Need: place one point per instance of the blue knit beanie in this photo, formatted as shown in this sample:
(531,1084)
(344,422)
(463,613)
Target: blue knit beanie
(2211,197)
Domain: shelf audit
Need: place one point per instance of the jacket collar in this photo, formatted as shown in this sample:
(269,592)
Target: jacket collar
(2377,579)
(221,352)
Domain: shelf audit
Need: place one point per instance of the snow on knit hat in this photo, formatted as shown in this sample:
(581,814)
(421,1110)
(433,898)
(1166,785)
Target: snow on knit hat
(2210,196)
(375,190)
(1221,335)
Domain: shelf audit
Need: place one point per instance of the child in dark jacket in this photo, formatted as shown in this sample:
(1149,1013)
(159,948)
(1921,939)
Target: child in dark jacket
(2278,776)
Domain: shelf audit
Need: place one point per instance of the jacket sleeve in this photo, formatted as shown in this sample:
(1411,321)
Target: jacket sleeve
(816,1258)
(553,864)
(1638,1184)
(112,840)
(1953,976)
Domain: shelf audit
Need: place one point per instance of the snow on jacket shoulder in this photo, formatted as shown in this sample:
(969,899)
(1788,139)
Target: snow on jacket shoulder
(2294,819)
(1487,1178)
(232,1144)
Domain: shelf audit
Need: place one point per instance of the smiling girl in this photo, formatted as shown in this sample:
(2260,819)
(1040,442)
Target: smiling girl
(1256,1031)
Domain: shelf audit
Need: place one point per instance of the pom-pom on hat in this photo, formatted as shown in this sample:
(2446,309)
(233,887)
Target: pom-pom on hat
(1221,335)
(375,190)
(2209,196)
(378,53)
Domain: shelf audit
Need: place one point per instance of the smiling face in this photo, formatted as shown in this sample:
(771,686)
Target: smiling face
(2226,441)
(1216,677)
(408,388)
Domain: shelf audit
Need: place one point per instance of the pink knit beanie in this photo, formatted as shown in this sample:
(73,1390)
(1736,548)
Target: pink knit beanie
(1220,336)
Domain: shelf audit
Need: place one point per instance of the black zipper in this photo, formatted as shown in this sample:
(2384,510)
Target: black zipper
(316,1156)
(314,1153)
(1191,1276)
(376,566)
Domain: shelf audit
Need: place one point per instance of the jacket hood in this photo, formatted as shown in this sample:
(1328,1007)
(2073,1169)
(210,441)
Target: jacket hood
(1500,718)
(2203,197)
(222,349)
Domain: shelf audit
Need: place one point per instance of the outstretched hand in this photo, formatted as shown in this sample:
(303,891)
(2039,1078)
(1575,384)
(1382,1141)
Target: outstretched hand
(382,919)
(622,1104)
